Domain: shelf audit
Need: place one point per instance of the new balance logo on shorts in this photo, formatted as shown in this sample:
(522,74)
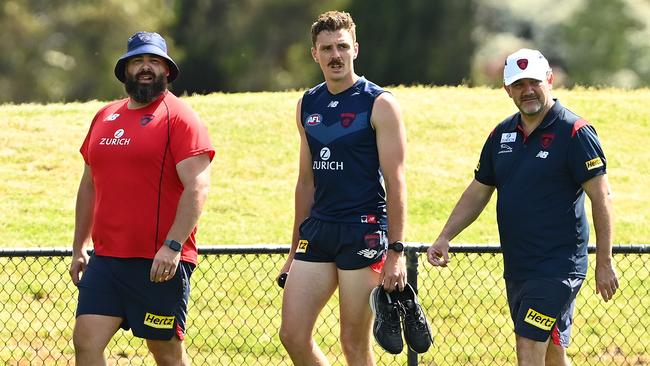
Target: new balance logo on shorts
(368,253)
(159,321)
(539,320)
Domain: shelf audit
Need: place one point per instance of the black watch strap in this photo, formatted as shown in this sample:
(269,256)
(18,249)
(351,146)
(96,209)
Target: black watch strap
(397,246)
(174,245)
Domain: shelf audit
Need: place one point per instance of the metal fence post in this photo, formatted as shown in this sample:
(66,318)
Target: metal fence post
(412,279)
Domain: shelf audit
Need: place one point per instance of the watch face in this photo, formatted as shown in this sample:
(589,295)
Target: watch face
(174,245)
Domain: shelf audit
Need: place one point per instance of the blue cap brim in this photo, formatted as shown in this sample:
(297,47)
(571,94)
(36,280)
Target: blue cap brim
(146,49)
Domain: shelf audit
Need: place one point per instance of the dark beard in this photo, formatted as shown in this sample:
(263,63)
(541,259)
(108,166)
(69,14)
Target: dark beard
(145,94)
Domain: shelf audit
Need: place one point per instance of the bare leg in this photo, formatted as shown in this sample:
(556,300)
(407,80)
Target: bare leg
(309,286)
(356,317)
(168,353)
(91,336)
(556,355)
(530,352)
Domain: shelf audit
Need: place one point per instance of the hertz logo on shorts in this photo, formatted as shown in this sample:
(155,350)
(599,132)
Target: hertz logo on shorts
(159,321)
(594,163)
(302,246)
(539,320)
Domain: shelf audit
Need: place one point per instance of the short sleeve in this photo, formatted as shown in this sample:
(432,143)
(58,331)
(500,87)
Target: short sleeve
(586,157)
(189,136)
(85,145)
(484,171)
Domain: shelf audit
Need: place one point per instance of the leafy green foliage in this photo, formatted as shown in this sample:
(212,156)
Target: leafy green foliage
(63,50)
(600,58)
(414,42)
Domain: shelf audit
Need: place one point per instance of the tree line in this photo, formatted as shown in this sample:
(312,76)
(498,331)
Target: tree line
(65,50)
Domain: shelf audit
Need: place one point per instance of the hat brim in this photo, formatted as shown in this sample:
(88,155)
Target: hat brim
(146,49)
(525,75)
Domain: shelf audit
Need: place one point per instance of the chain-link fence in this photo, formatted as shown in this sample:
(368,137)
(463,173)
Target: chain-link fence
(234,312)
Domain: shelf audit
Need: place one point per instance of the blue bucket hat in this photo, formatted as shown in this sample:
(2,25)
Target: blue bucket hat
(146,43)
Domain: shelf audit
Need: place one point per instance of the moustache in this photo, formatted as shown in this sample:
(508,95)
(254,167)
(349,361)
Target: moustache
(145,73)
(529,97)
(336,62)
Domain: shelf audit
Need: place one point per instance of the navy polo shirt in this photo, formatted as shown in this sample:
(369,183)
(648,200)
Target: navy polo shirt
(540,205)
(345,161)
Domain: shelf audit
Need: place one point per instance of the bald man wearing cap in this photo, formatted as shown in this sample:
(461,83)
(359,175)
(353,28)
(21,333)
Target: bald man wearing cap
(542,160)
(145,180)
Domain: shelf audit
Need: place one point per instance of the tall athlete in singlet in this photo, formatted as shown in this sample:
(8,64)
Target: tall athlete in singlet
(352,144)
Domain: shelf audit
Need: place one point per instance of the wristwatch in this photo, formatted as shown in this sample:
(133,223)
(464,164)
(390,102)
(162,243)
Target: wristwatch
(397,246)
(174,245)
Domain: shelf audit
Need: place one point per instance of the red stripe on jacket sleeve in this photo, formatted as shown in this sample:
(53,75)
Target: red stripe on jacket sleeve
(578,125)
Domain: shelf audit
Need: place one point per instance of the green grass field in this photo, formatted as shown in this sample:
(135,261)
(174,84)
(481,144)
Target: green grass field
(251,201)
(254,171)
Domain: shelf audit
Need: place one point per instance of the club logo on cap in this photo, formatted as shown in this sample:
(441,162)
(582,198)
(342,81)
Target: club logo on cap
(522,63)
(144,37)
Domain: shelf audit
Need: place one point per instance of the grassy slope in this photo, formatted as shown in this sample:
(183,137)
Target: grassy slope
(255,167)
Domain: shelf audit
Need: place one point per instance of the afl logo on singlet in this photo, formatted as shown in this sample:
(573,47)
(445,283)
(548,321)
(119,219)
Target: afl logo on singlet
(314,119)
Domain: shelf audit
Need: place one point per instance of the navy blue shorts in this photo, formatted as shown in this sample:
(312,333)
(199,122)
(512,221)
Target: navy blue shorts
(349,245)
(121,287)
(543,307)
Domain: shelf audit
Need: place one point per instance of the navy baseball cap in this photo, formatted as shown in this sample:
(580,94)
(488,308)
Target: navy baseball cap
(146,43)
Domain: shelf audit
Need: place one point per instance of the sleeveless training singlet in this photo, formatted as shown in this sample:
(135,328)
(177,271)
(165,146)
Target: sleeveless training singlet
(345,161)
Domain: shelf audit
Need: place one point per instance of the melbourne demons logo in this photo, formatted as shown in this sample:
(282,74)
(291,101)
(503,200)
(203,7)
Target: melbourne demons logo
(522,63)
(547,140)
(347,119)
(372,240)
(146,119)
(314,119)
